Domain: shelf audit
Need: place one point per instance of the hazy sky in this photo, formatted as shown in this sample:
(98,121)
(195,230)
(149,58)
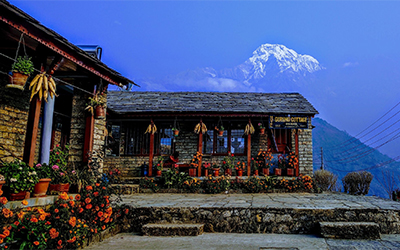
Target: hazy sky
(357,41)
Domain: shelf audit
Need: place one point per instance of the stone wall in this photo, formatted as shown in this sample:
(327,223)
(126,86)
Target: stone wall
(78,123)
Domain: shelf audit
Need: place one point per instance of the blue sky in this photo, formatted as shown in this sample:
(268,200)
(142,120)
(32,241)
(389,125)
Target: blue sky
(358,41)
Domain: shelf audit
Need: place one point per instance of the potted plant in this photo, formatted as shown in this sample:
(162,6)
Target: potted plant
(194,164)
(215,169)
(175,131)
(21,70)
(96,106)
(206,167)
(262,128)
(292,162)
(255,165)
(268,162)
(281,165)
(239,168)
(159,166)
(60,179)
(228,163)
(44,173)
(20,179)
(220,130)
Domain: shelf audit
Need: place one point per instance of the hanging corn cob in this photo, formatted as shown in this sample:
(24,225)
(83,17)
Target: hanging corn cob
(43,86)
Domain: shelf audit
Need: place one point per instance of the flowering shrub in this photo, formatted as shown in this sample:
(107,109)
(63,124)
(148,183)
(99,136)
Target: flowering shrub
(59,156)
(254,185)
(240,165)
(160,163)
(228,162)
(149,183)
(173,178)
(43,170)
(196,160)
(192,185)
(292,160)
(214,186)
(19,176)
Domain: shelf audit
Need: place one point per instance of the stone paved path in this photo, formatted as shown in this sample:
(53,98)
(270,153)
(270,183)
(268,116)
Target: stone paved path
(272,200)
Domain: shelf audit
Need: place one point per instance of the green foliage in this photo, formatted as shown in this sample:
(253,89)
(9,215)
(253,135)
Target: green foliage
(357,183)
(325,180)
(149,183)
(19,176)
(217,185)
(43,171)
(229,162)
(255,185)
(23,65)
(174,179)
(193,185)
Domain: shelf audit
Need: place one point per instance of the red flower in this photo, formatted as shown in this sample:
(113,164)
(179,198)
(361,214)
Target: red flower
(36,243)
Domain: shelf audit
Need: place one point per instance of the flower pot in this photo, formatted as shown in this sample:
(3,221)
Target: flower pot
(216,172)
(205,172)
(158,173)
(18,196)
(228,171)
(192,172)
(18,81)
(262,131)
(256,172)
(63,187)
(265,171)
(278,171)
(99,112)
(239,172)
(41,187)
(220,132)
(176,132)
(290,171)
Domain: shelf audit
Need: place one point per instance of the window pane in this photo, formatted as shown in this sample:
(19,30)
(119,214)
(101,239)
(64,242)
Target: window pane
(166,141)
(237,141)
(222,143)
(208,142)
(113,138)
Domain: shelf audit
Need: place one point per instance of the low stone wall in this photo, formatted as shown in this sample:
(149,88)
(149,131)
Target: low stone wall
(265,220)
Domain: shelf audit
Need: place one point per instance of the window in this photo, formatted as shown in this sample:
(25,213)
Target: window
(166,142)
(232,140)
(279,140)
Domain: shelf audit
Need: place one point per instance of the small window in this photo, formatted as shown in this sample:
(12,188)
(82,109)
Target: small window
(237,141)
(166,141)
(232,140)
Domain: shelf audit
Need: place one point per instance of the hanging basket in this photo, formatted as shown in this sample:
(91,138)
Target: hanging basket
(17,80)
(99,112)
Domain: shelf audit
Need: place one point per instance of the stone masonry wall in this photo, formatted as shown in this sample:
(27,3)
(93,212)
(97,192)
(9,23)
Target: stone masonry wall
(99,136)
(78,121)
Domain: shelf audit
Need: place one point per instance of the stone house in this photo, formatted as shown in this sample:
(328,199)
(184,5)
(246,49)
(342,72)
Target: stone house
(28,129)
(286,117)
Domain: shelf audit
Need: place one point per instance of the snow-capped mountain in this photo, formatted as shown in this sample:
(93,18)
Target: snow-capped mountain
(272,67)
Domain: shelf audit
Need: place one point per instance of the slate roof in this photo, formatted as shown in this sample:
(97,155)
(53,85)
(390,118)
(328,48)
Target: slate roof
(208,102)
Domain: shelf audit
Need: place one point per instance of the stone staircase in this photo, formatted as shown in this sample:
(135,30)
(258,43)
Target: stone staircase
(350,230)
(170,229)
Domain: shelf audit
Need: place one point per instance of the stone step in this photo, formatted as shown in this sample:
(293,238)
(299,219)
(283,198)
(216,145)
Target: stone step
(172,229)
(126,188)
(350,230)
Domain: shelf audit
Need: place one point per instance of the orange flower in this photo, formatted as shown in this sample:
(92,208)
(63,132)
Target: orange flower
(3,200)
(56,210)
(34,219)
(103,227)
(96,193)
(72,221)
(36,243)
(100,214)
(42,217)
(71,203)
(24,202)
(89,206)
(80,210)
(59,242)
(89,188)
(16,223)
(64,196)
(70,197)
(6,232)
(77,197)
(88,200)
(72,240)
(97,208)
(97,184)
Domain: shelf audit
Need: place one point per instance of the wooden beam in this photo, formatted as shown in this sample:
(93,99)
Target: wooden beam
(296,144)
(248,154)
(32,131)
(200,149)
(88,143)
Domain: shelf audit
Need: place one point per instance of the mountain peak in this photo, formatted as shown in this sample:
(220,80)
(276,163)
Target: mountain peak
(285,58)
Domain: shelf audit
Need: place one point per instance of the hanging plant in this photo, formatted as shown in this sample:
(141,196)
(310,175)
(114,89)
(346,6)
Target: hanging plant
(151,129)
(43,86)
(220,127)
(249,129)
(200,128)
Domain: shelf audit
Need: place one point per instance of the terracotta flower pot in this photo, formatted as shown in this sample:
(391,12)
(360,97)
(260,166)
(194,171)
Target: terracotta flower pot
(265,171)
(205,172)
(278,171)
(256,172)
(18,196)
(220,132)
(99,112)
(262,131)
(228,171)
(41,187)
(192,172)
(239,172)
(18,81)
(176,132)
(216,172)
(290,171)
(63,187)
(158,173)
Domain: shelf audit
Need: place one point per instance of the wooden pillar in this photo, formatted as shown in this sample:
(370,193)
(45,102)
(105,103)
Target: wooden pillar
(88,143)
(32,131)
(200,149)
(248,154)
(296,143)
(151,154)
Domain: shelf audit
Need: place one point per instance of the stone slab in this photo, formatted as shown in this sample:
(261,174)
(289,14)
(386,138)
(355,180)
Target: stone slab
(170,229)
(350,230)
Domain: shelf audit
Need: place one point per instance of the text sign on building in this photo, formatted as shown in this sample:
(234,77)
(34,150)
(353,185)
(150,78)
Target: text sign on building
(288,122)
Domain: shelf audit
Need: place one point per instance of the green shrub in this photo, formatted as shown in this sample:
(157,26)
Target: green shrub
(23,65)
(357,182)
(174,179)
(217,185)
(325,180)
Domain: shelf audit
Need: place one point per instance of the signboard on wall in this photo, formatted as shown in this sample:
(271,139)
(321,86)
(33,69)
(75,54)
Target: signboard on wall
(288,122)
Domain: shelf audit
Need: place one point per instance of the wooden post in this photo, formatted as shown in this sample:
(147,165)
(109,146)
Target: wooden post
(200,149)
(32,131)
(297,150)
(248,154)
(88,143)
(151,154)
